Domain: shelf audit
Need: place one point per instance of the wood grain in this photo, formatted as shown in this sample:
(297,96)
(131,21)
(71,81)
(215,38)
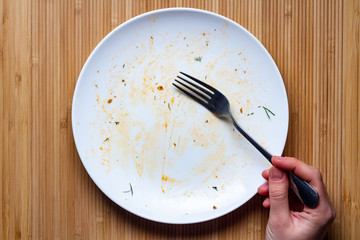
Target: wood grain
(47,194)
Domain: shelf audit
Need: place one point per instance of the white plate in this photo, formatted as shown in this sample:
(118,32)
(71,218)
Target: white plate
(132,127)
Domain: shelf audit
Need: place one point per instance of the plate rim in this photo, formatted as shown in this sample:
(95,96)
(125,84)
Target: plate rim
(96,49)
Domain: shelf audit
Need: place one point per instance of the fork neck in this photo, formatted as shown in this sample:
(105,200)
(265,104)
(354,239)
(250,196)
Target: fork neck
(262,150)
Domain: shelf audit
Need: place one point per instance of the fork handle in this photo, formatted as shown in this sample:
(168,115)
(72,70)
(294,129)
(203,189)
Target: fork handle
(305,192)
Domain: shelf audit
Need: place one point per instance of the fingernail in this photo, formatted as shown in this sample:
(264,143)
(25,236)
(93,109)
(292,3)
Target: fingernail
(277,158)
(276,174)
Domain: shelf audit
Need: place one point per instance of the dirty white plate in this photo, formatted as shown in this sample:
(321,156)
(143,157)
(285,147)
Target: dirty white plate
(157,153)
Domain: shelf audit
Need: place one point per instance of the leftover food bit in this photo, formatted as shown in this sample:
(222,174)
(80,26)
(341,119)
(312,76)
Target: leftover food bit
(198,59)
(116,123)
(106,140)
(267,111)
(160,88)
(214,207)
(174,144)
(109,101)
(123,80)
(250,114)
(130,190)
(241,110)
(215,188)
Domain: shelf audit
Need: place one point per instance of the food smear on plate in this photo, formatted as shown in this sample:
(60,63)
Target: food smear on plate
(157,133)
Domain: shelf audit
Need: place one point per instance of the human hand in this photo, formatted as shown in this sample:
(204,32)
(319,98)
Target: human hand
(289,219)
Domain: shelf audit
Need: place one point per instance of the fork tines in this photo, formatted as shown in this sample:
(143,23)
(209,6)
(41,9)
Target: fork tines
(196,89)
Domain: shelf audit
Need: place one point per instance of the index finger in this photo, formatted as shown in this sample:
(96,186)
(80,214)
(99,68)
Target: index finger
(308,173)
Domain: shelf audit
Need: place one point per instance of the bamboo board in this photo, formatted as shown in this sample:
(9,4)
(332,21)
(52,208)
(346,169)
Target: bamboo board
(47,194)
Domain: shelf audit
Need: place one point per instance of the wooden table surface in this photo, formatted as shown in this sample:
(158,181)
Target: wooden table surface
(45,190)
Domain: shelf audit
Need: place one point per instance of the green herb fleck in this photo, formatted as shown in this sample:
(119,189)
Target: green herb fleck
(267,111)
(106,140)
(169,106)
(206,121)
(198,59)
(130,190)
(116,123)
(123,65)
(205,77)
(214,187)
(250,114)
(151,37)
(96,86)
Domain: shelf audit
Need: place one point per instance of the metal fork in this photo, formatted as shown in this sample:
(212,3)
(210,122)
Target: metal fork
(217,103)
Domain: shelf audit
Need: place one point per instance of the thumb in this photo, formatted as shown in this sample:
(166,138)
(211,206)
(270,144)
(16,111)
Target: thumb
(278,194)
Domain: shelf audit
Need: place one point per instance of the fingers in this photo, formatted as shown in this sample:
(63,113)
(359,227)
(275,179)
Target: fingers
(265,174)
(264,189)
(299,168)
(278,194)
(266,203)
